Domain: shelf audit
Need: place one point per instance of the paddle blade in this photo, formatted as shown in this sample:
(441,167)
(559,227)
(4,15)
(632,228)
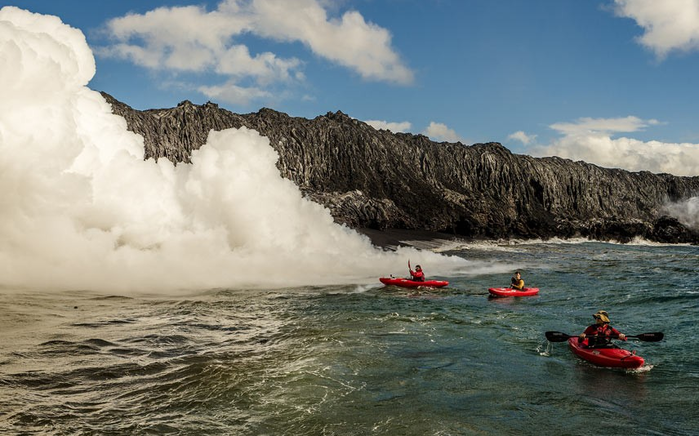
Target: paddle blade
(649,337)
(556,336)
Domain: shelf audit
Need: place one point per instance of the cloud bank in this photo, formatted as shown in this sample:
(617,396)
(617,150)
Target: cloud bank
(591,140)
(669,25)
(190,39)
(81,209)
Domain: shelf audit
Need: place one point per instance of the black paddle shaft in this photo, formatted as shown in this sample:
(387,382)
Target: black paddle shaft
(647,337)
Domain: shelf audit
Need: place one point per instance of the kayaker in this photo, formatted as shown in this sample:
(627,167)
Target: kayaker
(417,275)
(517,282)
(601,333)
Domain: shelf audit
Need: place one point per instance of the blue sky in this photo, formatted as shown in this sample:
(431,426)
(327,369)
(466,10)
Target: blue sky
(613,82)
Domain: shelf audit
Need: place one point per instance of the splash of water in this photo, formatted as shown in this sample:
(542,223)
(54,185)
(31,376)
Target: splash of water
(81,209)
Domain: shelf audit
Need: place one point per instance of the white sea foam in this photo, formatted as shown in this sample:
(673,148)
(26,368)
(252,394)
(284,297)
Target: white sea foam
(81,209)
(513,245)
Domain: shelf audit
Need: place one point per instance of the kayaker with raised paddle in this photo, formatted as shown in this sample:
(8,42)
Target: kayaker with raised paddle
(417,275)
(600,334)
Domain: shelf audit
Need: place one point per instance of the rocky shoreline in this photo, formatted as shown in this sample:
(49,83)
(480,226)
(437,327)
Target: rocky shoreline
(390,239)
(377,180)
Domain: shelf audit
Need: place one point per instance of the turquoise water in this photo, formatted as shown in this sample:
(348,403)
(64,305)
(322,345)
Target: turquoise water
(364,359)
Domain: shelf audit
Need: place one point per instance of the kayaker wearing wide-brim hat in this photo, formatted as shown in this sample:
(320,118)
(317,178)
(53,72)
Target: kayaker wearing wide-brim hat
(601,333)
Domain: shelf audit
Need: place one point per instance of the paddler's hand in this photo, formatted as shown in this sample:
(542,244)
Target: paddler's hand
(582,336)
(622,336)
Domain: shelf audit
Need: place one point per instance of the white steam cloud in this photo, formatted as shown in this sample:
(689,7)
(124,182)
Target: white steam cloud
(81,209)
(687,212)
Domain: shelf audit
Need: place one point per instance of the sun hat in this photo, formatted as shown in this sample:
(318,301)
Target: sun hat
(602,315)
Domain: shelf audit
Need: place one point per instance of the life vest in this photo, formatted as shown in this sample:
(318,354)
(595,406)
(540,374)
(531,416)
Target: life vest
(418,276)
(602,335)
(517,284)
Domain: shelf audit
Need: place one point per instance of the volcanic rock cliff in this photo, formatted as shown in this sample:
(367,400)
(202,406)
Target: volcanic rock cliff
(376,179)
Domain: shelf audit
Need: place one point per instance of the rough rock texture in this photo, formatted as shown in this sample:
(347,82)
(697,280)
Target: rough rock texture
(380,180)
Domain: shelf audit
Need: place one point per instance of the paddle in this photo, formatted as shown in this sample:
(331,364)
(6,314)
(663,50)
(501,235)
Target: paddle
(647,337)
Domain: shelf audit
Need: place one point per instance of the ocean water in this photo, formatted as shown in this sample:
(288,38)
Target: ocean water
(363,359)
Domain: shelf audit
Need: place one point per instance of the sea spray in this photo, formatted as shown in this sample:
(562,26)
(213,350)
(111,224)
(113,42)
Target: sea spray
(83,210)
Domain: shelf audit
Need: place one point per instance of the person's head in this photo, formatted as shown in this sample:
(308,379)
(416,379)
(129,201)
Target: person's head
(517,274)
(418,268)
(601,317)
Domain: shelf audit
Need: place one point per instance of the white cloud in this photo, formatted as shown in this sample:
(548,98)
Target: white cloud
(522,137)
(591,140)
(440,132)
(192,39)
(668,24)
(167,37)
(349,41)
(266,68)
(403,126)
(603,125)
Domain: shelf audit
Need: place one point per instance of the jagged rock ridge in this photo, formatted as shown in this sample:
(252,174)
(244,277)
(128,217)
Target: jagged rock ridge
(376,179)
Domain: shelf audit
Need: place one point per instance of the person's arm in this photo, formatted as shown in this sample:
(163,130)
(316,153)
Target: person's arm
(588,331)
(618,334)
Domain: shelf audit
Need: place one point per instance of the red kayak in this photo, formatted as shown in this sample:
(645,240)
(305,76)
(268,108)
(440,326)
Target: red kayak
(612,357)
(407,283)
(509,292)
